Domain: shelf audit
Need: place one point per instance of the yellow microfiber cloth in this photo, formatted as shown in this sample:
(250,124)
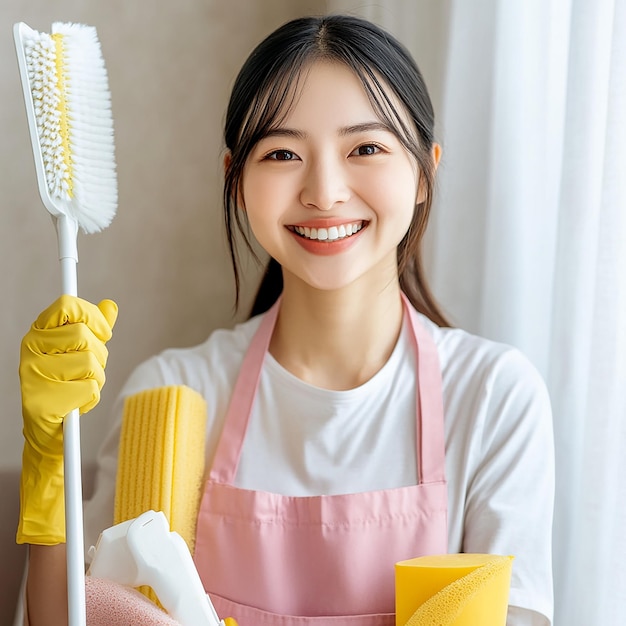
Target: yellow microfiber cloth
(453,590)
(161,457)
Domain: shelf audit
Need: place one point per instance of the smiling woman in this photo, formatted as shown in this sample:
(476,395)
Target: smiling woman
(348,428)
(270,85)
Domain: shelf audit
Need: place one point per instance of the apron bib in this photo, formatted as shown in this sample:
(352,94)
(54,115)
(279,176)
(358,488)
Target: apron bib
(273,560)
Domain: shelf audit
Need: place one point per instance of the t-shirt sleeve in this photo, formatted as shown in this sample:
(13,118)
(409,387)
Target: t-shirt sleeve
(510,495)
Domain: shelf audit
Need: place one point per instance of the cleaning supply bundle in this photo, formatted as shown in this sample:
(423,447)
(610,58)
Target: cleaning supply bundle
(68,107)
(453,590)
(160,463)
(160,466)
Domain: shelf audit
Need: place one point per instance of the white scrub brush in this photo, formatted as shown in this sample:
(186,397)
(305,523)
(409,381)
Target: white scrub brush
(68,107)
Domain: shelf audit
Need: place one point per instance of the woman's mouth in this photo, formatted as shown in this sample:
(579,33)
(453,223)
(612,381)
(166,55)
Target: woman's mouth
(332,233)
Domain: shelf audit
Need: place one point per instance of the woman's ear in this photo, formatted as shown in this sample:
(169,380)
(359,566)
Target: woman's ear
(228,157)
(436,155)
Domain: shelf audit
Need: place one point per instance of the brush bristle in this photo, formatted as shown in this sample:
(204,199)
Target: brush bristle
(70,92)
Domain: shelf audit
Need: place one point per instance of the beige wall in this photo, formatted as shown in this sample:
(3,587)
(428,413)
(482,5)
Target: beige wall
(163,259)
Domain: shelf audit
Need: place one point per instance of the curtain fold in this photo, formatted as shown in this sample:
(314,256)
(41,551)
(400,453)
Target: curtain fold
(527,244)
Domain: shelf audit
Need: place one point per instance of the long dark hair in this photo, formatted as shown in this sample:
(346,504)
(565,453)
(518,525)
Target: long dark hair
(261,98)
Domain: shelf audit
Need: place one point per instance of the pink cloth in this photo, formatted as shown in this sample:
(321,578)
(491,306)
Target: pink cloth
(273,560)
(112,604)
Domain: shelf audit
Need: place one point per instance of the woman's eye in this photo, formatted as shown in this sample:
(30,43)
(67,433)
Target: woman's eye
(367,149)
(282,155)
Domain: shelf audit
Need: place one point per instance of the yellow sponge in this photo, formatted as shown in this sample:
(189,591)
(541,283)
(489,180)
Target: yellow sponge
(161,457)
(453,590)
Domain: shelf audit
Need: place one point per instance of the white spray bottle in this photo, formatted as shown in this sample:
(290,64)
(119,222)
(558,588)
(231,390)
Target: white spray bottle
(143,551)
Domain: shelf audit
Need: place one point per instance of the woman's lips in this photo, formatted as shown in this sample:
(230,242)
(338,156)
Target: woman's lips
(327,239)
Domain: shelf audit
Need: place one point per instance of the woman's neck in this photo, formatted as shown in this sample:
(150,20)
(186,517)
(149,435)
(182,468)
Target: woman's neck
(336,339)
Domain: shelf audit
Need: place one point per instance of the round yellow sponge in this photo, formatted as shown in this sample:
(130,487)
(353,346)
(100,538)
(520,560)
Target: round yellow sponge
(453,590)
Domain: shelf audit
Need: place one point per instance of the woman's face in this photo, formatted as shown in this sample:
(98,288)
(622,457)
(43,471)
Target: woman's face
(331,191)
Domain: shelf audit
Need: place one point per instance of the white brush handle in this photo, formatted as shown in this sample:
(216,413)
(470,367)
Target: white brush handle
(67,231)
(74,520)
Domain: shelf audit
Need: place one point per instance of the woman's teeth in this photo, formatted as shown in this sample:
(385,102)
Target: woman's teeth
(329,234)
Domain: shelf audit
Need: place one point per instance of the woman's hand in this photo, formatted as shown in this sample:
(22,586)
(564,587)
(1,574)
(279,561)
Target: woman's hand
(62,363)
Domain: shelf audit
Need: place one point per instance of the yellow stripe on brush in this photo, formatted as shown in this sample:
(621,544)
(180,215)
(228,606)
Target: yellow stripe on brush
(64,124)
(161,457)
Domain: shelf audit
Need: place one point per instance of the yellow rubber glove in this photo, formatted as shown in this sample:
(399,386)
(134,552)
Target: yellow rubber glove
(62,363)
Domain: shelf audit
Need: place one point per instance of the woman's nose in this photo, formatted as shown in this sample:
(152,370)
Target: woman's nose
(325,185)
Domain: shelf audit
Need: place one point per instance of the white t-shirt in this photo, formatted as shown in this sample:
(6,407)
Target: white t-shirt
(303,440)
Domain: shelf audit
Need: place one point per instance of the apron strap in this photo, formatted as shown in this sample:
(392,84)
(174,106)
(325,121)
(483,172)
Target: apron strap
(430,440)
(235,426)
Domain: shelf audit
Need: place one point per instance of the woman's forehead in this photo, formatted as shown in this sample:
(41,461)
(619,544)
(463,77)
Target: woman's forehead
(328,92)
(334,91)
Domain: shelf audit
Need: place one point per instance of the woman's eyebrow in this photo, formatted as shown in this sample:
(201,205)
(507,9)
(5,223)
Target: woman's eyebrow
(285,132)
(364,127)
(352,129)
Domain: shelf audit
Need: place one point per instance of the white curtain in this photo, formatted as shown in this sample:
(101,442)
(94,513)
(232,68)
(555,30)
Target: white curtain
(528,241)
(529,247)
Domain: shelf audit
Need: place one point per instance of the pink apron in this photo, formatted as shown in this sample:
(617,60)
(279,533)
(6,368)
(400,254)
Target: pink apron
(270,560)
